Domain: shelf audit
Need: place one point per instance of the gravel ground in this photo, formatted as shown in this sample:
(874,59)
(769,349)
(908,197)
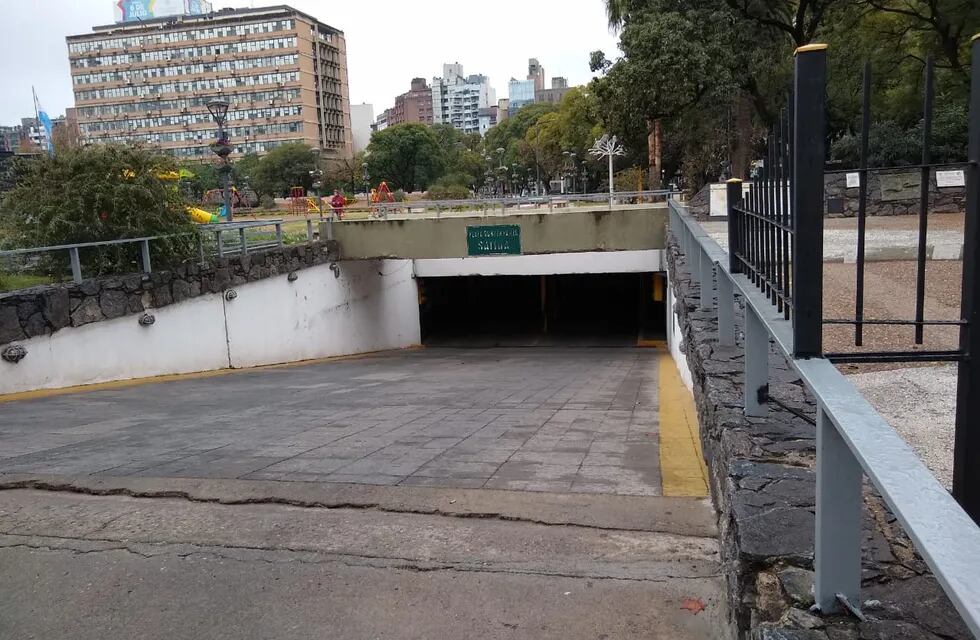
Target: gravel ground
(919,403)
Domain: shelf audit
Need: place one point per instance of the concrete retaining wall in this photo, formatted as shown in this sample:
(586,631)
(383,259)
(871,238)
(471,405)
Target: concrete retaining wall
(627,228)
(358,307)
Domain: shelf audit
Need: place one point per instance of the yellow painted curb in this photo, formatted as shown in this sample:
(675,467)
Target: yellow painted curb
(682,468)
(176,377)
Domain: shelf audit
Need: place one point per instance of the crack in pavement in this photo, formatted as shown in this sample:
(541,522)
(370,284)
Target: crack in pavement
(68,487)
(326,557)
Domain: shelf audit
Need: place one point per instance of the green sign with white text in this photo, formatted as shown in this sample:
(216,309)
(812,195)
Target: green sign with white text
(489,240)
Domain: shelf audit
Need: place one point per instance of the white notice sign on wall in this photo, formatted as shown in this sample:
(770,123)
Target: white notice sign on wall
(853,180)
(955,178)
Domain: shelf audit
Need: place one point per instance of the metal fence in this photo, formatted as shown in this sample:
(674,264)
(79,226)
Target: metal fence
(223,239)
(551,203)
(775,266)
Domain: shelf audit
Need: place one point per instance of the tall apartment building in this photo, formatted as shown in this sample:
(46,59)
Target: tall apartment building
(283,72)
(457,100)
(535,72)
(559,87)
(415,105)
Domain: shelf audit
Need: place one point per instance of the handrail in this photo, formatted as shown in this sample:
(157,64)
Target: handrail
(218,229)
(853,440)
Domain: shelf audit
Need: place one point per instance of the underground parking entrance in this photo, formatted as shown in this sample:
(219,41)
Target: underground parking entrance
(603,309)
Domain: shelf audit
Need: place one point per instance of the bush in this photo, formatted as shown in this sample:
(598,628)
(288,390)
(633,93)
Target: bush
(399,195)
(99,193)
(267,202)
(448,192)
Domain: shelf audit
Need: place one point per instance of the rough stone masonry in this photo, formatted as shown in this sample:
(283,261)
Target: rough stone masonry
(763,483)
(43,310)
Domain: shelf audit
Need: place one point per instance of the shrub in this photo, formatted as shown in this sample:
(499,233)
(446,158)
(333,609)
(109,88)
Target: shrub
(267,202)
(100,193)
(399,195)
(448,192)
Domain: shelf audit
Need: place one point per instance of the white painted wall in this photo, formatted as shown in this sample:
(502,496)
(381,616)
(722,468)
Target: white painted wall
(544,264)
(675,337)
(372,306)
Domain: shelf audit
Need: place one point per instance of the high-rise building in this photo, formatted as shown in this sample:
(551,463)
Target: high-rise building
(415,105)
(535,72)
(361,121)
(559,87)
(521,92)
(457,100)
(283,72)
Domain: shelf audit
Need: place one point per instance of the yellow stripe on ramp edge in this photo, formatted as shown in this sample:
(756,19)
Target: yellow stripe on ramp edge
(682,466)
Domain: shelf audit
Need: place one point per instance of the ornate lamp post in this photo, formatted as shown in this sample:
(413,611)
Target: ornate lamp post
(222,148)
(606,147)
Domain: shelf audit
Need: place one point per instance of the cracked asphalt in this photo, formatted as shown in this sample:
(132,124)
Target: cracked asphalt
(107,532)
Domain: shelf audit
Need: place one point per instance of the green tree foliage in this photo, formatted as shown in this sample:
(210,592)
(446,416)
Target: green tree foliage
(407,156)
(98,193)
(283,168)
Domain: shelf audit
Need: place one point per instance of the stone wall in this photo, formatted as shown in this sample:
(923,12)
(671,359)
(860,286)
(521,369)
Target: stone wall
(44,310)
(889,194)
(763,483)
(892,194)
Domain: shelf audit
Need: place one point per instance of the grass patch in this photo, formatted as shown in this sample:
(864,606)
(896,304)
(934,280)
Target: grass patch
(13,282)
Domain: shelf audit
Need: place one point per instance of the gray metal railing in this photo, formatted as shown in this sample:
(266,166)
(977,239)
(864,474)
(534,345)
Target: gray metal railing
(490,205)
(221,247)
(853,441)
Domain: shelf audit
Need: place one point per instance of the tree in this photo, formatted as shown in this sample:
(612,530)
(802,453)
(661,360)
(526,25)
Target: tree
(345,174)
(407,156)
(98,193)
(283,168)
(670,63)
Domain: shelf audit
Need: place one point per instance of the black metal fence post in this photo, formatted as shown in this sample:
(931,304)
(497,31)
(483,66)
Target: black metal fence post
(809,125)
(966,451)
(733,193)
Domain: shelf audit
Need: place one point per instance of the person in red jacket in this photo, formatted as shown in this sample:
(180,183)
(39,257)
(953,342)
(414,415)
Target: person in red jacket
(337,203)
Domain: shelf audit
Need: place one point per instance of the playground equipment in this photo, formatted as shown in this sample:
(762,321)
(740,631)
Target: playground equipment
(382,194)
(204,217)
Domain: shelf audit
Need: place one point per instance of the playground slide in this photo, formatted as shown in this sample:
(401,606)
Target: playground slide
(202,217)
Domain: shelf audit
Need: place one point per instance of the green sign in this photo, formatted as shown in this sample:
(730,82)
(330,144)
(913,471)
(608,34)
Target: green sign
(493,240)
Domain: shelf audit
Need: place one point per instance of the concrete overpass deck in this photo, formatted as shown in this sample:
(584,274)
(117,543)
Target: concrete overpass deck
(512,493)
(455,234)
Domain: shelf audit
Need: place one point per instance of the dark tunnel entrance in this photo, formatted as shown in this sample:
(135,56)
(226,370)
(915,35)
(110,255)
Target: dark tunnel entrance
(606,309)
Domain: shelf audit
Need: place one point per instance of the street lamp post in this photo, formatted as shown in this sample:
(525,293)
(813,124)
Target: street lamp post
(222,148)
(606,147)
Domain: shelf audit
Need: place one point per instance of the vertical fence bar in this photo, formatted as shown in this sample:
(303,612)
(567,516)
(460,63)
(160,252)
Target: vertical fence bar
(862,206)
(837,557)
(726,310)
(279,234)
(769,212)
(707,271)
(786,175)
(809,114)
(76,264)
(309,229)
(145,255)
(777,181)
(221,248)
(733,193)
(242,241)
(756,364)
(966,448)
(200,247)
(920,269)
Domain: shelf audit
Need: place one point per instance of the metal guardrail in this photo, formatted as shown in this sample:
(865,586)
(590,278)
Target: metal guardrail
(853,441)
(551,202)
(222,248)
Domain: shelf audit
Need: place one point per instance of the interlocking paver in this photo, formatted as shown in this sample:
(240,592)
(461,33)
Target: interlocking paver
(550,419)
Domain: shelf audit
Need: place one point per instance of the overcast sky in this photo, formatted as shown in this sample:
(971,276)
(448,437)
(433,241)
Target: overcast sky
(388,43)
